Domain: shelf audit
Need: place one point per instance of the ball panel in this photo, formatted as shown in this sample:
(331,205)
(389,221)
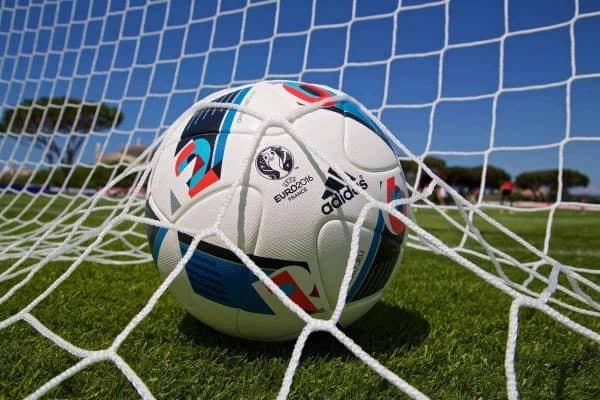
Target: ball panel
(337,199)
(298,283)
(357,138)
(379,252)
(269,328)
(381,260)
(217,274)
(181,181)
(221,318)
(266,100)
(212,313)
(358,127)
(241,220)
(194,153)
(333,250)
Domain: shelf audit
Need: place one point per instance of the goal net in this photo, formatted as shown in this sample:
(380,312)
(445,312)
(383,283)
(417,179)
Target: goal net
(88,87)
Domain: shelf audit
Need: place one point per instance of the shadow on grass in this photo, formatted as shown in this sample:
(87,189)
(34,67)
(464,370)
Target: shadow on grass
(384,330)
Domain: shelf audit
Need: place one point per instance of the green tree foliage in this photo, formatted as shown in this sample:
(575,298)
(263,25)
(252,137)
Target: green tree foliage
(536,179)
(464,178)
(437,165)
(41,119)
(469,178)
(495,176)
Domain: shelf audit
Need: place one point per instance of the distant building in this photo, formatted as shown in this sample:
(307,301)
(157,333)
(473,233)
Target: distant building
(10,171)
(528,194)
(125,155)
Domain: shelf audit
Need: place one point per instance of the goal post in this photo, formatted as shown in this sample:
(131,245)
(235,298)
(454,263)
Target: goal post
(88,89)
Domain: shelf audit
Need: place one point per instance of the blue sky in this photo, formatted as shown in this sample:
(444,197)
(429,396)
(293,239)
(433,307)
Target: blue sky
(126,53)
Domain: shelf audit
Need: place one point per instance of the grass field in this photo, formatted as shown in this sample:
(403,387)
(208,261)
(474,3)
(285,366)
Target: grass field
(439,327)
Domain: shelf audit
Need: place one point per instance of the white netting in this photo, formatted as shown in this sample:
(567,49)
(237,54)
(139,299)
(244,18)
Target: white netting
(92,51)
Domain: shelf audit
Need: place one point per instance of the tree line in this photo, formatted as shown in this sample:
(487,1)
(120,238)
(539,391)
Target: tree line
(39,121)
(468,179)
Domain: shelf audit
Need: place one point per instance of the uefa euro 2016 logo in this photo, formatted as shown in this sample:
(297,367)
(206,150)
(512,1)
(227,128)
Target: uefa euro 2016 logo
(274,162)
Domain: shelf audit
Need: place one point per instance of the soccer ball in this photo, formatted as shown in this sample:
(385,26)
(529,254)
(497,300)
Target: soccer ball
(293,215)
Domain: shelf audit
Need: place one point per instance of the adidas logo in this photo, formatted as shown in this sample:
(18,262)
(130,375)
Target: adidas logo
(337,193)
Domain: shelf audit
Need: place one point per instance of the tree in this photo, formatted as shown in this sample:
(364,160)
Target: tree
(467,179)
(536,179)
(41,119)
(463,178)
(437,165)
(572,178)
(495,176)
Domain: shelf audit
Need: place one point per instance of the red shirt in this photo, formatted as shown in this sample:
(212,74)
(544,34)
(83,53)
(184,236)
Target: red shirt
(507,185)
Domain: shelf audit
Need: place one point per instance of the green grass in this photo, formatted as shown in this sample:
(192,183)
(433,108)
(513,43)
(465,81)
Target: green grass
(439,327)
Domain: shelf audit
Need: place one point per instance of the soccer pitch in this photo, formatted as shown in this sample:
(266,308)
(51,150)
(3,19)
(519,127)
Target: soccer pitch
(439,327)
